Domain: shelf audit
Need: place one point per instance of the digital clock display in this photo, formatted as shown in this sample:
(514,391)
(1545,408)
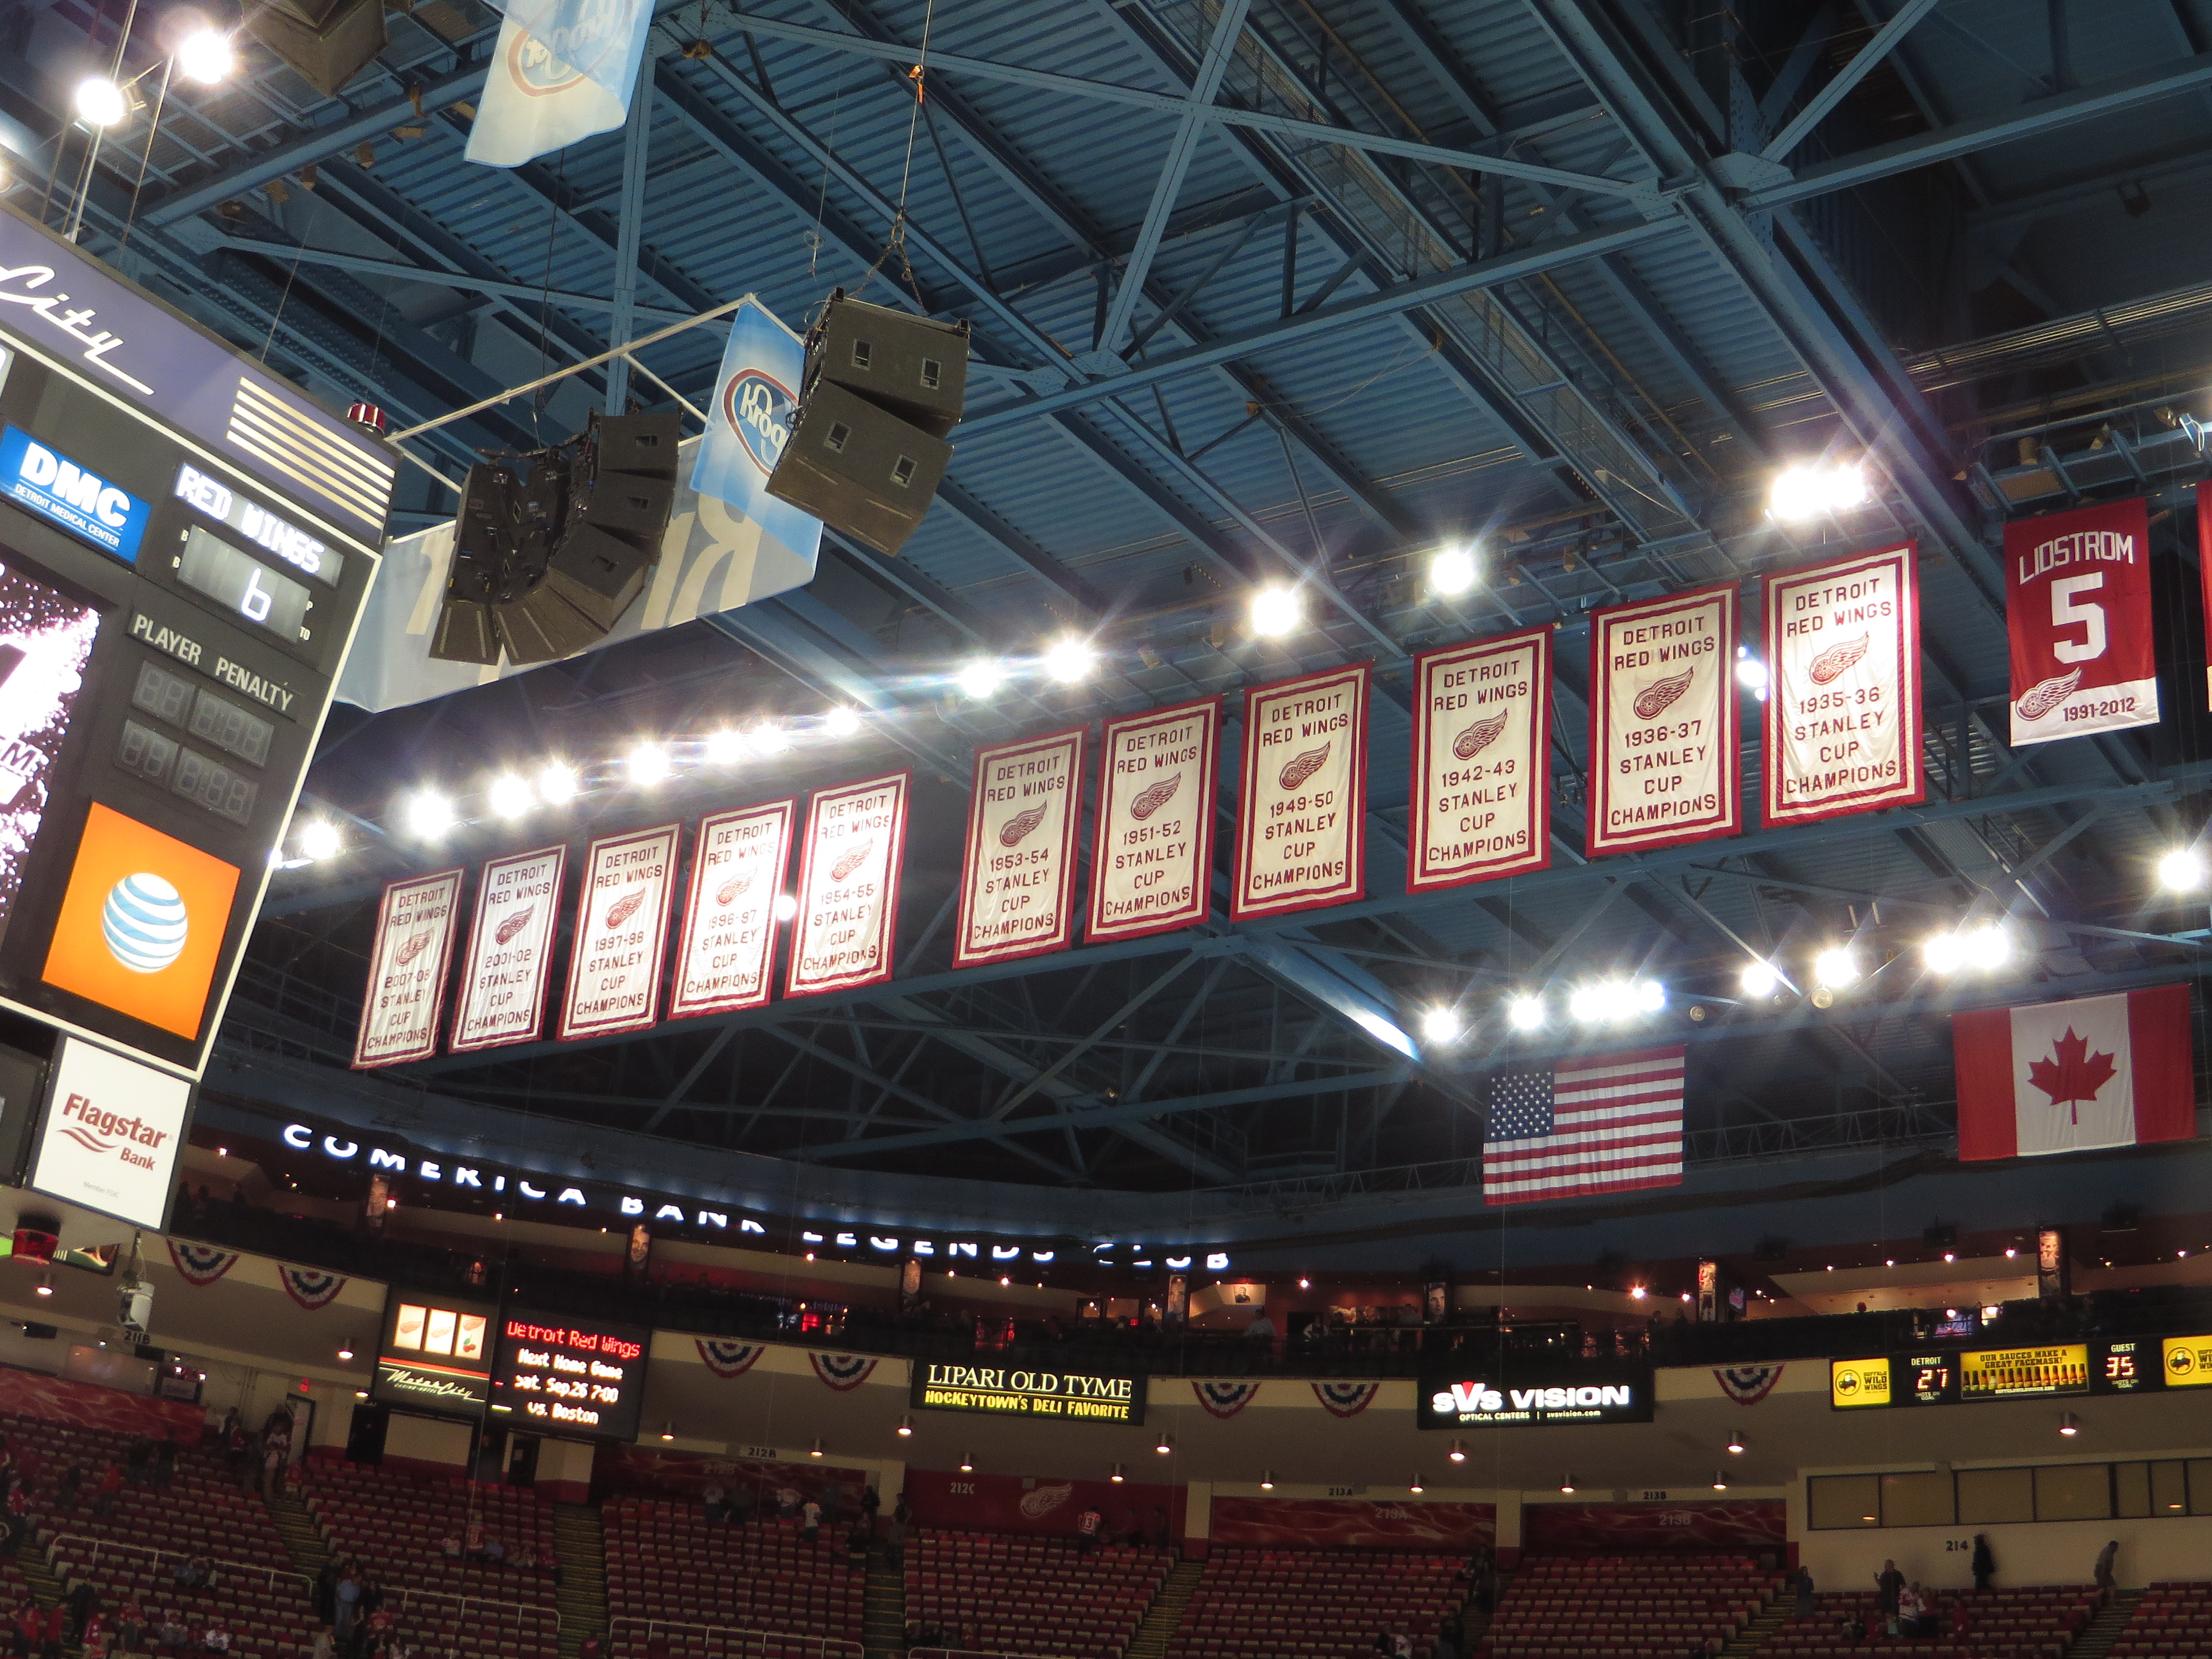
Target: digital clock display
(145,752)
(243,585)
(224,724)
(215,786)
(161,694)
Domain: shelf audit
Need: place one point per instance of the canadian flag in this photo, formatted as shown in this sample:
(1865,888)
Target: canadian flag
(2068,1077)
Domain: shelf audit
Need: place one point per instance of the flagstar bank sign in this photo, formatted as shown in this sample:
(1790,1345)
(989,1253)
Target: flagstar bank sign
(1066,1396)
(1478,1396)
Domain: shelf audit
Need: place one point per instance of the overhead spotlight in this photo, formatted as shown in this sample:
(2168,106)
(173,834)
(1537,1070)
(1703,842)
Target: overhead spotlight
(1069,659)
(1836,968)
(1720,1480)
(1441,1025)
(1982,948)
(318,839)
(668,1431)
(204,57)
(815,1451)
(648,763)
(1650,996)
(510,796)
(1266,1481)
(1804,492)
(1304,1283)
(1119,1475)
(1163,1445)
(769,738)
(99,102)
(361,1394)
(44,1286)
(1525,1013)
(1458,1452)
(724,745)
(841,721)
(2068,1424)
(786,907)
(1567,1483)
(1636,1293)
(1414,1486)
(905,1426)
(556,783)
(2182,871)
(428,814)
(1736,1445)
(1589,1003)
(967,1463)
(1451,571)
(1750,672)
(1758,978)
(981,677)
(345,1353)
(1275,610)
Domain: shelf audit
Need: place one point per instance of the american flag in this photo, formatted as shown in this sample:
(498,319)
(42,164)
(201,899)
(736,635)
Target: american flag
(1581,1126)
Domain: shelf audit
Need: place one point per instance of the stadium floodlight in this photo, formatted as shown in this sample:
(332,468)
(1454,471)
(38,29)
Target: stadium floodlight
(980,678)
(204,57)
(99,102)
(556,783)
(1758,978)
(319,840)
(786,907)
(1441,1025)
(1807,490)
(1452,571)
(1750,672)
(2182,870)
(1275,610)
(767,739)
(1836,966)
(1650,996)
(648,762)
(724,745)
(1070,660)
(428,814)
(511,796)
(841,721)
(1983,948)
(1525,1013)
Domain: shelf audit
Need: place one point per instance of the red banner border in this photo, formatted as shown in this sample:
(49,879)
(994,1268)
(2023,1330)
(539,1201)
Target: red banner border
(1539,857)
(660,947)
(454,1045)
(1355,874)
(893,867)
(1908,668)
(1070,844)
(456,875)
(676,1009)
(1595,842)
(1096,932)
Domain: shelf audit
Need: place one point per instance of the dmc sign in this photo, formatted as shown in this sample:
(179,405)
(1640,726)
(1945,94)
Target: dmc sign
(55,488)
(1541,1393)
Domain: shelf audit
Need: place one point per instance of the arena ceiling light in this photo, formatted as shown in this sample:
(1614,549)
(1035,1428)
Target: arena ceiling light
(1525,1013)
(99,102)
(1810,490)
(1070,660)
(786,907)
(204,57)
(723,747)
(1414,1486)
(1458,1452)
(511,796)
(668,1431)
(647,764)
(1441,1025)
(1720,1480)
(1275,610)
(428,814)
(319,840)
(905,1429)
(556,783)
(1736,1445)
(1567,1482)
(767,739)
(1119,1475)
(1750,672)
(1266,1481)
(2068,1424)
(841,721)
(980,678)
(1164,1444)
(1759,978)
(815,1451)
(1836,968)
(1984,949)
(1452,571)
(967,1463)
(2182,871)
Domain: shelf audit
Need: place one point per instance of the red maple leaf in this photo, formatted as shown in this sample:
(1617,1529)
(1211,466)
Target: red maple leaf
(2071,1074)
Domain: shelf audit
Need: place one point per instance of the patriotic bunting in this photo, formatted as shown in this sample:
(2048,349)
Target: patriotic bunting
(311,1287)
(729,1359)
(1346,1398)
(842,1371)
(1747,1384)
(200,1264)
(1226,1399)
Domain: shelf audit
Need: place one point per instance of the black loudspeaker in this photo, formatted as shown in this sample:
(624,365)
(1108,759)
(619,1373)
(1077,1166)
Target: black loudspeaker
(327,41)
(915,367)
(642,444)
(858,468)
(464,630)
(597,573)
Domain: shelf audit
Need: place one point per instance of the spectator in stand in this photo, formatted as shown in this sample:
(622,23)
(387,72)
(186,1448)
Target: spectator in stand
(1383,1641)
(216,1639)
(28,1629)
(1889,1586)
(869,1503)
(165,1459)
(103,1498)
(56,1632)
(714,1502)
(187,1574)
(741,1507)
(1803,1585)
(1402,1645)
(348,1595)
(231,1436)
(2107,1581)
(787,1502)
(1162,1534)
(476,1540)
(129,1625)
(810,1521)
(494,1552)
(171,1634)
(1985,1565)
(137,1457)
(274,1452)
(895,1545)
(1961,1621)
(83,1602)
(325,1647)
(1086,1531)
(450,1546)
(65,1494)
(326,1591)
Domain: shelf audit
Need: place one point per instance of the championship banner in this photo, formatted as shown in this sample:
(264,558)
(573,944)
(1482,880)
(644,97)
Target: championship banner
(1482,778)
(1843,708)
(2205,576)
(1664,765)
(622,925)
(407,965)
(510,951)
(1152,855)
(1301,819)
(1017,878)
(849,876)
(729,919)
(2077,608)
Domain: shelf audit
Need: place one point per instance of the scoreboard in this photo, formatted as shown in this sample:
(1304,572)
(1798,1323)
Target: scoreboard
(1948,1376)
(185,543)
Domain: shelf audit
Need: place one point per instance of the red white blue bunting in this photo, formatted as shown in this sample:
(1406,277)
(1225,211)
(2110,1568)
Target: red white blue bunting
(842,1371)
(1747,1384)
(311,1287)
(200,1264)
(728,1359)
(1346,1398)
(1226,1399)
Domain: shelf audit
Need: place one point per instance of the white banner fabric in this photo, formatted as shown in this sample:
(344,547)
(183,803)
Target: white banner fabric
(1300,813)
(622,925)
(510,951)
(849,876)
(1151,857)
(1843,710)
(407,968)
(1665,765)
(1481,778)
(1018,878)
(729,919)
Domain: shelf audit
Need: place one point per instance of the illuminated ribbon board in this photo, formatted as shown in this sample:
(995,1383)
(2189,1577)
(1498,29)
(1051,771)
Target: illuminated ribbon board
(1018,876)
(407,968)
(622,927)
(729,918)
(1481,778)
(510,951)
(1007,1391)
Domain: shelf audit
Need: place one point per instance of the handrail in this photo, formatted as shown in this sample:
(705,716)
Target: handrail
(967,1653)
(827,1647)
(115,1547)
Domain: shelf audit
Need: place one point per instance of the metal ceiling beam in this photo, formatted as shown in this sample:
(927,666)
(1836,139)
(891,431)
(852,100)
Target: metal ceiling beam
(1862,64)
(461,282)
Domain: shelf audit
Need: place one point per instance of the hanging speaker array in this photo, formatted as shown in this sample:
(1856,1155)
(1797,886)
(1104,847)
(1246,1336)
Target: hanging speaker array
(882,392)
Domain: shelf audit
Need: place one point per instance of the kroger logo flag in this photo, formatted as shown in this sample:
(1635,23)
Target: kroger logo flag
(563,69)
(755,396)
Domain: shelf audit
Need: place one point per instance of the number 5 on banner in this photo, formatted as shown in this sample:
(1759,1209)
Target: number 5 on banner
(2065,610)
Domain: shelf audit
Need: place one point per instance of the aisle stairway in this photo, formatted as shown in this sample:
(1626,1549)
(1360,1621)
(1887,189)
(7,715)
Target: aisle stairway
(1755,1635)
(1161,1618)
(303,1538)
(2104,1625)
(580,1544)
(883,1628)
(1474,1622)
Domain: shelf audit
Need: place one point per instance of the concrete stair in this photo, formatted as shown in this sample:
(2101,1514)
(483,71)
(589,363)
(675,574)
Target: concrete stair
(303,1537)
(2104,1625)
(1158,1628)
(1755,1635)
(580,1544)
(883,1629)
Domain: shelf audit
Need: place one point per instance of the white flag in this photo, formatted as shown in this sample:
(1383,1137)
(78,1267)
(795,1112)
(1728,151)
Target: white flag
(552,83)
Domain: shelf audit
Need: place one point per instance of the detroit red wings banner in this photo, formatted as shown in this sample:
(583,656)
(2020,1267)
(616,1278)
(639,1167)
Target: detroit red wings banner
(728,942)
(2068,1077)
(621,929)
(2077,608)
(849,876)
(1482,780)
(407,968)
(1152,855)
(510,951)
(1301,814)
(1843,704)
(1664,766)
(1018,879)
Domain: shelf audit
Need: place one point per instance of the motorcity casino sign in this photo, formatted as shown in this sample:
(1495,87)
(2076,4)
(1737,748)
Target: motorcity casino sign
(1005,1391)
(1478,1393)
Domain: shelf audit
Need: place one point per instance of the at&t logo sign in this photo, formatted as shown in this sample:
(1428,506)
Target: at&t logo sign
(759,411)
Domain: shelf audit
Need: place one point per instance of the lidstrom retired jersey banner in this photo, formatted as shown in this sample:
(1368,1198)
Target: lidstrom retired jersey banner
(1481,767)
(510,949)
(622,927)
(1664,766)
(1017,880)
(1842,706)
(729,919)
(2077,608)
(1152,861)
(1301,819)
(407,967)
(848,876)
